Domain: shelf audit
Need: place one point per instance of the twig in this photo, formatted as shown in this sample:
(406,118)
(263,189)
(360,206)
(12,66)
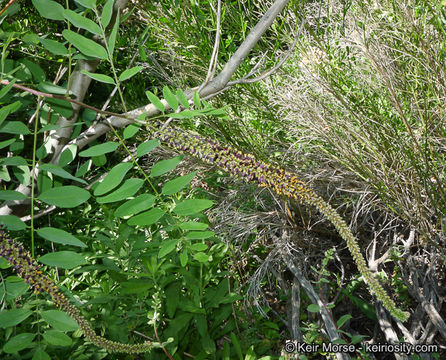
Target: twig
(115,89)
(295,312)
(143,335)
(246,80)
(161,344)
(54,96)
(6,7)
(214,58)
(40,214)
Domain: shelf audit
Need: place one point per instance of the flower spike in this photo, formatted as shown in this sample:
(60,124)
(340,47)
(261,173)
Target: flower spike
(282,182)
(28,269)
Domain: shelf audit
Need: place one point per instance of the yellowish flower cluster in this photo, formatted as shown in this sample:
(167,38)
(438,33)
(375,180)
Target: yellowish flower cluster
(28,269)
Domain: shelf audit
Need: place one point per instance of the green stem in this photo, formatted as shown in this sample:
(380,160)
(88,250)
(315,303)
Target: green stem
(36,123)
(110,60)
(121,141)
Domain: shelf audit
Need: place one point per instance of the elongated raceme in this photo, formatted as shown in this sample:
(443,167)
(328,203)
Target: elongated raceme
(28,269)
(282,182)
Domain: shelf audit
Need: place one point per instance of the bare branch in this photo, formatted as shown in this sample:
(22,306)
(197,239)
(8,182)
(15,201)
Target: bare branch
(214,58)
(245,48)
(308,288)
(247,80)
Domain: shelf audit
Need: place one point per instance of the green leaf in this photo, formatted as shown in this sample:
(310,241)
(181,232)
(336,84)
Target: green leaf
(64,196)
(6,88)
(131,130)
(206,341)
(68,155)
(183,258)
(129,188)
(100,149)
(237,346)
(192,206)
(197,102)
(136,286)
(201,257)
(155,100)
(164,166)
(198,247)
(12,195)
(6,143)
(251,355)
(195,235)
(127,74)
(84,168)
(175,185)
(54,46)
(343,320)
(62,107)
(63,259)
(146,147)
(226,355)
(114,33)
(107,12)
(136,205)
(36,70)
(192,225)
(60,236)
(14,161)
(57,170)
(4,112)
(9,318)
(113,178)
(339,340)
(4,174)
(81,22)
(57,338)
(146,218)
(48,87)
(356,339)
(167,246)
(88,4)
(182,98)
(170,98)
(23,174)
(30,38)
(313,308)
(186,114)
(365,307)
(216,112)
(100,160)
(49,9)
(89,115)
(18,342)
(15,287)
(86,46)
(9,109)
(14,127)
(41,354)
(99,77)
(172,298)
(12,222)
(59,320)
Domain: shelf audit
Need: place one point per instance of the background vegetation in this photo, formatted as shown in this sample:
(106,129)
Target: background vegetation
(151,244)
